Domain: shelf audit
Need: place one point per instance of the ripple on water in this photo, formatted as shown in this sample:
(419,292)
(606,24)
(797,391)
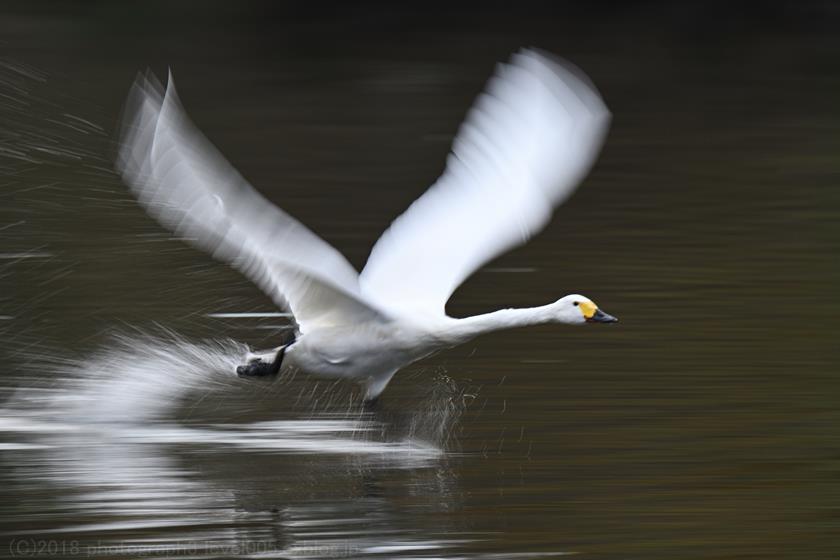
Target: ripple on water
(107,441)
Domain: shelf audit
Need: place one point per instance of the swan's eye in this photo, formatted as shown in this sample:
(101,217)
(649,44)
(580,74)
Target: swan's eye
(576,303)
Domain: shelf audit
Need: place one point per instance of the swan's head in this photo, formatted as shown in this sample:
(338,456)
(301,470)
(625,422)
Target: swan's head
(577,310)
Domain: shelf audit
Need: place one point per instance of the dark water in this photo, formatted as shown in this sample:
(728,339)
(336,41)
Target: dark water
(705,425)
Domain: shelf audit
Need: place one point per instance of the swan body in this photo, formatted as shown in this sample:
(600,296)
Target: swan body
(528,141)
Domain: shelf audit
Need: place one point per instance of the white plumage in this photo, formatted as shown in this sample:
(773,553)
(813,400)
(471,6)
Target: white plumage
(525,145)
(528,141)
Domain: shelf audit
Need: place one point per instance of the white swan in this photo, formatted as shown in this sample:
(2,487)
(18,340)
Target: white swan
(529,139)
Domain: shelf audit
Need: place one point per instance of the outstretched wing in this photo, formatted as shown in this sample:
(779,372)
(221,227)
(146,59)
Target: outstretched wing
(187,185)
(527,142)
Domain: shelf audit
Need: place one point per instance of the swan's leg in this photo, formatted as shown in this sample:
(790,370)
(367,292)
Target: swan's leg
(371,404)
(374,388)
(258,368)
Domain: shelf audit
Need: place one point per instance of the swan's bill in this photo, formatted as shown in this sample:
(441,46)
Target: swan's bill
(601,317)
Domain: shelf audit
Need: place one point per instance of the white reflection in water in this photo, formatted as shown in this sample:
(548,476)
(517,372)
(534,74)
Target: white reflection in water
(123,473)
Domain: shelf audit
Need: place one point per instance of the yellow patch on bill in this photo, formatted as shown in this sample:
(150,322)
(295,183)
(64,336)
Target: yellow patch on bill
(588,309)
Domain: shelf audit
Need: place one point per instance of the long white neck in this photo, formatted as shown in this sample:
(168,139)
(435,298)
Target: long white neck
(462,330)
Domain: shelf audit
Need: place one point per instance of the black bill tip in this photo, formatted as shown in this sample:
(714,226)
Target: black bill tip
(601,317)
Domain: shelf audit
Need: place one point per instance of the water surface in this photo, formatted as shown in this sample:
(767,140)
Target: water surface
(704,425)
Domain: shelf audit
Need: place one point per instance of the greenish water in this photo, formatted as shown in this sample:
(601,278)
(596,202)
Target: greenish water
(704,425)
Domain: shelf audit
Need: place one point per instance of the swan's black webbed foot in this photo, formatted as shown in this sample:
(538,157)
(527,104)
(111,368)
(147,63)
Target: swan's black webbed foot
(259,368)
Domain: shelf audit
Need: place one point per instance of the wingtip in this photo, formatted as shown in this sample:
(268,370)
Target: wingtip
(538,60)
(171,90)
(145,94)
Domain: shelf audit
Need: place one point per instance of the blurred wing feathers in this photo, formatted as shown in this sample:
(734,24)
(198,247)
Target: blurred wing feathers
(527,142)
(187,185)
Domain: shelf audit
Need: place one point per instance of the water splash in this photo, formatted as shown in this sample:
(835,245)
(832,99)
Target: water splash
(138,385)
(141,378)
(107,440)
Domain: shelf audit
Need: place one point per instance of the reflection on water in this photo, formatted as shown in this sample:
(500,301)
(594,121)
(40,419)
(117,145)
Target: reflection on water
(103,442)
(704,426)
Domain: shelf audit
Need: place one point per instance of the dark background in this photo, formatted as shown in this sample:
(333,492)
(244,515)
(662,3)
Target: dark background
(705,425)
